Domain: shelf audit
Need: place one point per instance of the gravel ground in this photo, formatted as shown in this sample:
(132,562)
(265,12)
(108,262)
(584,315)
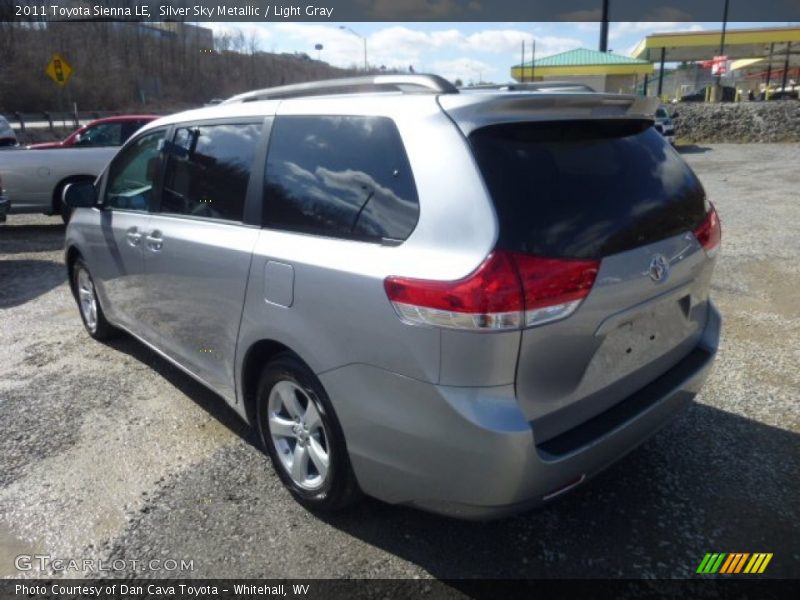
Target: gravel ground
(108,451)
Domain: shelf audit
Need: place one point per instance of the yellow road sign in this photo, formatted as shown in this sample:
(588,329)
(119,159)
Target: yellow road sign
(59,70)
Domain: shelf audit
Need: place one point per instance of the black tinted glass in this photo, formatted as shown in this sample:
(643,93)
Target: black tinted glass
(586,189)
(131,127)
(208,169)
(340,176)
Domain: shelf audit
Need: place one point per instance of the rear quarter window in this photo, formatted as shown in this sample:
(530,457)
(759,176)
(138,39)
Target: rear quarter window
(586,189)
(339,176)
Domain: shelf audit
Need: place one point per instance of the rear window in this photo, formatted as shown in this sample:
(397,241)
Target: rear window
(586,189)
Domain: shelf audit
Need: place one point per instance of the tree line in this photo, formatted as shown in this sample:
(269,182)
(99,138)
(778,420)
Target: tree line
(137,67)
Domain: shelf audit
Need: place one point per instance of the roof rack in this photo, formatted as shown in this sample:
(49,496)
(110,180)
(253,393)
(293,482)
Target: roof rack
(409,84)
(533,86)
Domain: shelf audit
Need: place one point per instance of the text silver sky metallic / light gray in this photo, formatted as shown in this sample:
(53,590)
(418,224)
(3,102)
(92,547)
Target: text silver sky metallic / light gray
(467,302)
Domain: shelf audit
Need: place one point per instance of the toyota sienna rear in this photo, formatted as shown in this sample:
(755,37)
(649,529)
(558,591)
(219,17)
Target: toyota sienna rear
(466,302)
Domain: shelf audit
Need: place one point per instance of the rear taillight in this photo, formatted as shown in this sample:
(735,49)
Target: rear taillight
(709,233)
(554,287)
(490,298)
(508,291)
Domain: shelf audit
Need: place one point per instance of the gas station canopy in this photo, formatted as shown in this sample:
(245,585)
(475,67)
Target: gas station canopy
(703,45)
(751,51)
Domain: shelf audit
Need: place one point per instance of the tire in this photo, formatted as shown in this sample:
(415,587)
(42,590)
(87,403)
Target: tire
(66,213)
(59,207)
(88,305)
(296,422)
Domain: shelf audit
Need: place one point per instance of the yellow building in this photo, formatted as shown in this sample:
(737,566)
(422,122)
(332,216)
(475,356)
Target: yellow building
(603,71)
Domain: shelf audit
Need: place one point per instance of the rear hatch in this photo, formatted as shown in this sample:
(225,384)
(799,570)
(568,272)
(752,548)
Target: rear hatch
(611,191)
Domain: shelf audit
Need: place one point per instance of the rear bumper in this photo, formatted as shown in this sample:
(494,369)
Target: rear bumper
(471,453)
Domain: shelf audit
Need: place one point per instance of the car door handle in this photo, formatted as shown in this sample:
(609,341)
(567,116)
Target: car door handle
(134,237)
(154,241)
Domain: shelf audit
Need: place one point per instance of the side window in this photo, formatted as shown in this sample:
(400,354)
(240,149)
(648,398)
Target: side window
(104,134)
(345,177)
(208,170)
(133,173)
(131,127)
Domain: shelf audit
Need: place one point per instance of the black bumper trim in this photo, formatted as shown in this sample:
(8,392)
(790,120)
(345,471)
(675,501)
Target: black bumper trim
(638,402)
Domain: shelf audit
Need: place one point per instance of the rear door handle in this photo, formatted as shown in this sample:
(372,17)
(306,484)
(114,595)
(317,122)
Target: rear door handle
(154,242)
(134,237)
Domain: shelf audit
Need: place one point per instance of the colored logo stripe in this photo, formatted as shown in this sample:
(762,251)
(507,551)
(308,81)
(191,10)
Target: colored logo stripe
(711,563)
(758,563)
(734,562)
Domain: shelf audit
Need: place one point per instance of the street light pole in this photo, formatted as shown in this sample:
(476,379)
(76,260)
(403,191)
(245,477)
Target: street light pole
(363,39)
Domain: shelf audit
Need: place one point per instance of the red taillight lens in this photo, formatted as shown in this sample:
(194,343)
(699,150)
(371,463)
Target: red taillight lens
(489,298)
(507,291)
(554,287)
(709,233)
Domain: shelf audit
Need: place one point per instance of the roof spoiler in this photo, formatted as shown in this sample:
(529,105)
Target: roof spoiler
(472,111)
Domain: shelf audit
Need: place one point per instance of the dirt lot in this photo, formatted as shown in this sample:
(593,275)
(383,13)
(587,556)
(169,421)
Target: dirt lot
(108,451)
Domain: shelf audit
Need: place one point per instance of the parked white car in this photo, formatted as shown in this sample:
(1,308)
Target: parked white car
(34,179)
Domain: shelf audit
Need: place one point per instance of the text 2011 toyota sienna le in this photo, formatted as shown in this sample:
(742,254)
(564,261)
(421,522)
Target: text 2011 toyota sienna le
(467,302)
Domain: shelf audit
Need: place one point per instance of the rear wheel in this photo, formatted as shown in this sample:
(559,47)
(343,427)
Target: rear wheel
(85,294)
(302,436)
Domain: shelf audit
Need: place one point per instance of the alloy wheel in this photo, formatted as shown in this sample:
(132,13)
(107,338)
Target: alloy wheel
(87,298)
(299,435)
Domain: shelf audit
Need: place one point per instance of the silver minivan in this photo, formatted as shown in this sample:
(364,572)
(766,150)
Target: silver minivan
(465,302)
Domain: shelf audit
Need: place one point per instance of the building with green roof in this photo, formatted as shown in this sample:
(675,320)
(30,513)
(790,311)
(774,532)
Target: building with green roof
(604,71)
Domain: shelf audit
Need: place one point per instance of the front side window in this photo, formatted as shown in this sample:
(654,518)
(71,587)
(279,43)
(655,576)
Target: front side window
(104,134)
(345,177)
(133,173)
(208,170)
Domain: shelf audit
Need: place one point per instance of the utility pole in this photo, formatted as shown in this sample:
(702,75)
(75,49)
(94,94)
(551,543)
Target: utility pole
(786,66)
(522,64)
(604,28)
(722,48)
(533,60)
(362,38)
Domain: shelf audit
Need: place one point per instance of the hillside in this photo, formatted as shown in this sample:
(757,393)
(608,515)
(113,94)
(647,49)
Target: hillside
(127,67)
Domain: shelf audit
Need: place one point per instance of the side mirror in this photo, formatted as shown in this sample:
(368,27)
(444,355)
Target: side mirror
(80,194)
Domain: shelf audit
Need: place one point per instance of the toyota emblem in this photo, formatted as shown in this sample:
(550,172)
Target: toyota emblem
(659,268)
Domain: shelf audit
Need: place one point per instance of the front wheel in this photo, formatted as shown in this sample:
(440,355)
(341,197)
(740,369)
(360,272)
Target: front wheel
(85,294)
(302,436)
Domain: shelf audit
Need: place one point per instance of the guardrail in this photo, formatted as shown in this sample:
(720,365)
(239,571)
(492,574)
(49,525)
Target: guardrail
(51,120)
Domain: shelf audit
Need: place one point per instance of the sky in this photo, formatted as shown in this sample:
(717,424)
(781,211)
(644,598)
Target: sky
(472,52)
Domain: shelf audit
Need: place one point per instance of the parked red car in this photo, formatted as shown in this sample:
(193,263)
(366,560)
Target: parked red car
(110,131)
